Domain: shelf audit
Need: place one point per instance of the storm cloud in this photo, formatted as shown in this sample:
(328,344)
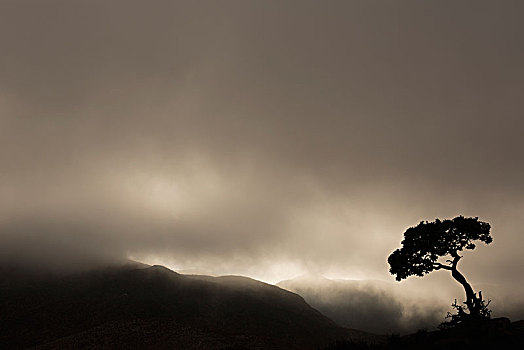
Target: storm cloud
(262,138)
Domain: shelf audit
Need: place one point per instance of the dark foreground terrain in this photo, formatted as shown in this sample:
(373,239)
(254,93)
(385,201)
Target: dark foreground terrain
(142,307)
(497,333)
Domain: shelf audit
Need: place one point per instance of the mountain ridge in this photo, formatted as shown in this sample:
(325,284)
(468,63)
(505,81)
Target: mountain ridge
(159,308)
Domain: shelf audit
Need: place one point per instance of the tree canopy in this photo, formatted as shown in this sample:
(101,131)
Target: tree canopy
(425,243)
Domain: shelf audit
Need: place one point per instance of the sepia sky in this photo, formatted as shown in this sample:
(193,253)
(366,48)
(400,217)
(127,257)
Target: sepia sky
(262,138)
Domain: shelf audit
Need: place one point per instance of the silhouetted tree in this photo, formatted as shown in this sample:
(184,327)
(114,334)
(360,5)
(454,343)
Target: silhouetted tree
(426,246)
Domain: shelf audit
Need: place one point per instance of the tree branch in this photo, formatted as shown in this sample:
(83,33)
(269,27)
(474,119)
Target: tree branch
(439,266)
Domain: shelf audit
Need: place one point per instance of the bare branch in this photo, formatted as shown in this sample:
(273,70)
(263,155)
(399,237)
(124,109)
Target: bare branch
(439,266)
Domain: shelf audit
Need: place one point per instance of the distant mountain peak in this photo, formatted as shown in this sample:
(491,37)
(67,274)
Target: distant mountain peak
(309,278)
(160,268)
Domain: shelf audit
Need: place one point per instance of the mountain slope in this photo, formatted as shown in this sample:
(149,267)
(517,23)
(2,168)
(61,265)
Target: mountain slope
(373,306)
(154,307)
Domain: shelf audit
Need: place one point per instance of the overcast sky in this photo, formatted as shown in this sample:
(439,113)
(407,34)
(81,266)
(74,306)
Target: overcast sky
(262,138)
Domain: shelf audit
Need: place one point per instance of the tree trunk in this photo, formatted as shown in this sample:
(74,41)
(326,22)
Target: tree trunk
(471,298)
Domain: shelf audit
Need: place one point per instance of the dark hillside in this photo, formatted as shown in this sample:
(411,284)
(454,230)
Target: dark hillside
(154,307)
